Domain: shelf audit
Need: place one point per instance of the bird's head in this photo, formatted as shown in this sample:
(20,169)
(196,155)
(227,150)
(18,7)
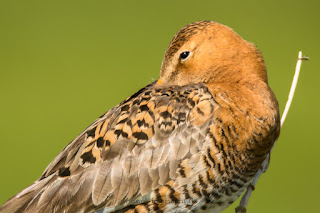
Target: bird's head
(209,52)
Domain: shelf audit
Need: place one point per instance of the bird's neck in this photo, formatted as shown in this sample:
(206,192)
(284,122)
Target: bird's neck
(253,110)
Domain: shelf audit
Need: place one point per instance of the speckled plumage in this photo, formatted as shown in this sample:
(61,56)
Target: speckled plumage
(191,141)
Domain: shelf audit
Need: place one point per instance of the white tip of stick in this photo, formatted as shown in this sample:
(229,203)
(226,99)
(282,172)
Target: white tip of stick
(293,87)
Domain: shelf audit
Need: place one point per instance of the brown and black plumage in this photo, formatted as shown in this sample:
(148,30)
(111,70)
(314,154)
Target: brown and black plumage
(191,141)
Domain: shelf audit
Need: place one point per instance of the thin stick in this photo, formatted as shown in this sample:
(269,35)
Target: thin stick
(245,198)
(293,87)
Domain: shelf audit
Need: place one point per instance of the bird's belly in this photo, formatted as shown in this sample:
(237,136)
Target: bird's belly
(206,204)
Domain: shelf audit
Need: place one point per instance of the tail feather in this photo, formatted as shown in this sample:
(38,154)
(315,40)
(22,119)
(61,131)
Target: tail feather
(16,204)
(28,199)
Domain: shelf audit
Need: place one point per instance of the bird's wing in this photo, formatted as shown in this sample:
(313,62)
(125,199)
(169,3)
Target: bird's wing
(132,149)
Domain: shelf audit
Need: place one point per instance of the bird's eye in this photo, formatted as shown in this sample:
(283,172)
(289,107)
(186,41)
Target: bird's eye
(184,55)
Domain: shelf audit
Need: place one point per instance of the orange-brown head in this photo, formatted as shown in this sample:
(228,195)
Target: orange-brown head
(209,52)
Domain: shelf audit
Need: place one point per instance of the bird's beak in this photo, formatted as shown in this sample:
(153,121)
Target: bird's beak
(159,82)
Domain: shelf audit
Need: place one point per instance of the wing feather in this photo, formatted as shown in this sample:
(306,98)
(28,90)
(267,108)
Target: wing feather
(125,154)
(102,187)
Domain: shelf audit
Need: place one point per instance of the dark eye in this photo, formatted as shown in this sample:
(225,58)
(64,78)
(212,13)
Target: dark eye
(184,55)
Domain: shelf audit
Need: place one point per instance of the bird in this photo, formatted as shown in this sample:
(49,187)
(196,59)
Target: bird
(190,141)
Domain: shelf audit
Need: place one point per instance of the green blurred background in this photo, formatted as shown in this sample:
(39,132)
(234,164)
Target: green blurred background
(64,63)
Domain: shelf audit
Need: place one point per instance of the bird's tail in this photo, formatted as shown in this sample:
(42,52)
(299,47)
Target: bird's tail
(23,201)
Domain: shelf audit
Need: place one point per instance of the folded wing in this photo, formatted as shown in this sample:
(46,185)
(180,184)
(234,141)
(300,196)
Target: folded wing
(125,154)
